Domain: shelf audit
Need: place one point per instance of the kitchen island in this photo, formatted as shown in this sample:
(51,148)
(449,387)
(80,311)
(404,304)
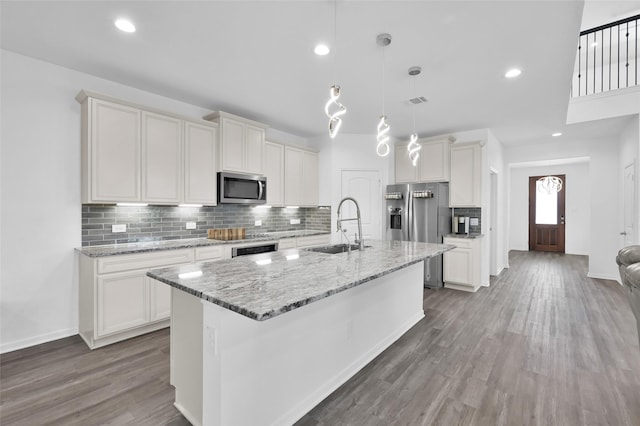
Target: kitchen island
(263,339)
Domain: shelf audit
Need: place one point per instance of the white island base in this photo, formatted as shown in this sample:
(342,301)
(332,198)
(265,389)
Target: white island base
(232,370)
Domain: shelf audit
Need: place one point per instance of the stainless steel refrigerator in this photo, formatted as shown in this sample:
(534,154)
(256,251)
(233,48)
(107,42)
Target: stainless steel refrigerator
(420,212)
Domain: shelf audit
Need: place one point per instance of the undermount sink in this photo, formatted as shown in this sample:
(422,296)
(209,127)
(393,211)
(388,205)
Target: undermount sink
(335,248)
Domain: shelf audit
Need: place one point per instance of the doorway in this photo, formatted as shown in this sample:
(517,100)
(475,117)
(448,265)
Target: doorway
(629,204)
(546,216)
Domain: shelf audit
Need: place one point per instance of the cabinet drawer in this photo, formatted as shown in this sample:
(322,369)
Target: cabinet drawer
(286,243)
(209,253)
(129,262)
(460,242)
(315,240)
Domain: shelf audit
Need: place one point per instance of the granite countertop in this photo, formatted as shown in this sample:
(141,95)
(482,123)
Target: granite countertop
(266,285)
(464,235)
(147,246)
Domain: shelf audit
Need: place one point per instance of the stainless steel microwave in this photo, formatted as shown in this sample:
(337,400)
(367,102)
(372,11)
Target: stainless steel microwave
(237,188)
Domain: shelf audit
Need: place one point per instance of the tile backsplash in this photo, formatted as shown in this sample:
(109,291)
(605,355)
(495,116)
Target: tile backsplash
(155,223)
(471,212)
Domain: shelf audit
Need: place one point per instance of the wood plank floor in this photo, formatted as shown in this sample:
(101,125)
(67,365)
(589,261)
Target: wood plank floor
(543,345)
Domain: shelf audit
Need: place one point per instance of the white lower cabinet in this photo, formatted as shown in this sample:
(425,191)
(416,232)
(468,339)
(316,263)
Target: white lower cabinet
(121,302)
(301,242)
(117,299)
(462,264)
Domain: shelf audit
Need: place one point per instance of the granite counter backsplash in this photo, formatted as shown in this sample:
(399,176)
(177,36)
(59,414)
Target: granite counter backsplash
(161,223)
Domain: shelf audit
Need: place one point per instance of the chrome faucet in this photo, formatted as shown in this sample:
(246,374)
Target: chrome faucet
(339,222)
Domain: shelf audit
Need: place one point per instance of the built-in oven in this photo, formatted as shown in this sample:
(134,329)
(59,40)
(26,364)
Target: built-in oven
(257,248)
(238,188)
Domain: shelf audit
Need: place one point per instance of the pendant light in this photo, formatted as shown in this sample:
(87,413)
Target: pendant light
(382,149)
(335,120)
(414,147)
(550,184)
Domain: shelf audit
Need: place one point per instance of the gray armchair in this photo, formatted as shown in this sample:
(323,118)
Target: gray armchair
(628,260)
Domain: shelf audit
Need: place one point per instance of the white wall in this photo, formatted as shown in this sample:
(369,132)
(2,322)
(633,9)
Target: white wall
(577,205)
(348,151)
(40,182)
(604,190)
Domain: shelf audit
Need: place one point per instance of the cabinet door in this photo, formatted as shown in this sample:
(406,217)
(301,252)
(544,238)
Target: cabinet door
(159,300)
(434,161)
(458,266)
(466,177)
(310,179)
(405,170)
(161,158)
(293,185)
(232,145)
(254,149)
(274,171)
(122,302)
(114,152)
(200,164)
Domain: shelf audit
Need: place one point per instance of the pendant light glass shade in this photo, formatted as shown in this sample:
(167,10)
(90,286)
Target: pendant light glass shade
(414,149)
(382,149)
(550,184)
(334,117)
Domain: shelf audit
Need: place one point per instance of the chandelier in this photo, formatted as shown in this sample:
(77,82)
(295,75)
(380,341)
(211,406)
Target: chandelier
(550,184)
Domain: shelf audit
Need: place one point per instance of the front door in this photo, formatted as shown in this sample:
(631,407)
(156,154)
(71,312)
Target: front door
(546,216)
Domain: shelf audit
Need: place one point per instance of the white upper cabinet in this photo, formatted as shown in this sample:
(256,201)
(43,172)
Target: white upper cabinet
(465,185)
(300,177)
(432,165)
(241,143)
(405,170)
(137,154)
(110,152)
(274,171)
(434,160)
(200,163)
(161,159)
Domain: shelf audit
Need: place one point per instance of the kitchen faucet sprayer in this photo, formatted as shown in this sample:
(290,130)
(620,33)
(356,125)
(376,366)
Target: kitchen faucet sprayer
(358,218)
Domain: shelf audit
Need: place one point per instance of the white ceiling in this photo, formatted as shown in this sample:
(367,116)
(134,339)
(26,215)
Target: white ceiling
(255,59)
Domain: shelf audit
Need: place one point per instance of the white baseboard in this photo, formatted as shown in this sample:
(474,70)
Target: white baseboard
(604,277)
(36,340)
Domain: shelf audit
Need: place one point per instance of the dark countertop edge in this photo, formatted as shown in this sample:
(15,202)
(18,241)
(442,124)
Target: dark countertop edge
(125,248)
(299,303)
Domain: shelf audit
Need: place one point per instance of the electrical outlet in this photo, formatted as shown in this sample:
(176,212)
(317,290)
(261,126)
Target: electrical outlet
(473,221)
(258,223)
(294,221)
(191,225)
(118,228)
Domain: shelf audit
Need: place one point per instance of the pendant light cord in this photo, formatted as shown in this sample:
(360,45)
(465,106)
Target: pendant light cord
(414,105)
(383,49)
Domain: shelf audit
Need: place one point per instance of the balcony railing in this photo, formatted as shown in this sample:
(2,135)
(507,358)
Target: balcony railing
(607,58)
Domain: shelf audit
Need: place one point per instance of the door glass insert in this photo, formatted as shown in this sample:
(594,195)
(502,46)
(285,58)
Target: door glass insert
(546,207)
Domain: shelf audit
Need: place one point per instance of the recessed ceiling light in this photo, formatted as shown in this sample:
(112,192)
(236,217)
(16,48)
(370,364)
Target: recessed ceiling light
(514,72)
(125,25)
(556,134)
(321,50)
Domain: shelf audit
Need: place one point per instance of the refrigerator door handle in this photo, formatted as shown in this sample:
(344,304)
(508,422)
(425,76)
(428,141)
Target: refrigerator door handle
(409,214)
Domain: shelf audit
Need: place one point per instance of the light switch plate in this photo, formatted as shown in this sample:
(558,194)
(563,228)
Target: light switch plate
(294,221)
(258,223)
(118,228)
(473,221)
(191,225)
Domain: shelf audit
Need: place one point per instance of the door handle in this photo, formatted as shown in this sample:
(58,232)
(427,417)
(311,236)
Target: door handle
(623,233)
